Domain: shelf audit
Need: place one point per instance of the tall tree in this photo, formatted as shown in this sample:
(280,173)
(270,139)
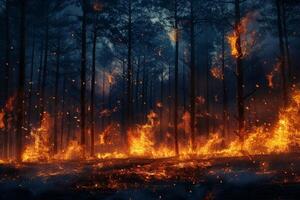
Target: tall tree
(21,79)
(192,73)
(56,100)
(239,70)
(176,19)
(84,7)
(7,73)
(282,57)
(45,64)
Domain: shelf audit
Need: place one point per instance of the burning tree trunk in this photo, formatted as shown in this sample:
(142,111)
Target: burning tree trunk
(83,74)
(176,78)
(239,71)
(57,76)
(282,51)
(20,97)
(193,75)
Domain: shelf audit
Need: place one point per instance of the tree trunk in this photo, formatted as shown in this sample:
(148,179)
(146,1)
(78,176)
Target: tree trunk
(144,89)
(6,77)
(45,68)
(83,76)
(93,80)
(21,84)
(225,129)
(239,73)
(161,107)
(57,77)
(137,90)
(207,118)
(30,88)
(193,76)
(63,113)
(282,52)
(129,69)
(224,87)
(176,80)
(103,100)
(287,48)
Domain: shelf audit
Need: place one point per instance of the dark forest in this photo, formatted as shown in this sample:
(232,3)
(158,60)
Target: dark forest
(149,99)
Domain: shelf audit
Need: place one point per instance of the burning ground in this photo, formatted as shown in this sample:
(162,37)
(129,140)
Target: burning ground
(257,177)
(262,166)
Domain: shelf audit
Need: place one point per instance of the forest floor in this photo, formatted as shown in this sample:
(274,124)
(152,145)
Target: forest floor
(257,177)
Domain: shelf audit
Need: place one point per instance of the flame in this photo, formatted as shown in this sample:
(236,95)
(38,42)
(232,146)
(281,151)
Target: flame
(246,34)
(270,76)
(141,140)
(110,78)
(74,151)
(284,137)
(9,106)
(39,150)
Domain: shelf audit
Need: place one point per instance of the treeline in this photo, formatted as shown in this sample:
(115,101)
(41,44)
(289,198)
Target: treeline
(93,63)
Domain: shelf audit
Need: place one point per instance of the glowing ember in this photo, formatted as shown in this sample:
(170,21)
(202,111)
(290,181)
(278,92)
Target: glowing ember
(270,76)
(217,73)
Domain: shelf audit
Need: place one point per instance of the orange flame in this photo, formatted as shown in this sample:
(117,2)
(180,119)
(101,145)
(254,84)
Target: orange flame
(39,150)
(246,35)
(74,151)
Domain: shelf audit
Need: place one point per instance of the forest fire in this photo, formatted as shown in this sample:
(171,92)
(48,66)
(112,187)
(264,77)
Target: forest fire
(140,99)
(283,137)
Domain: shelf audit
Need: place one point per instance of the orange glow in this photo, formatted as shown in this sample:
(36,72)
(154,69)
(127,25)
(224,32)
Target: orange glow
(270,77)
(74,151)
(9,106)
(217,73)
(2,119)
(247,37)
(39,149)
(143,140)
(172,35)
(97,6)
